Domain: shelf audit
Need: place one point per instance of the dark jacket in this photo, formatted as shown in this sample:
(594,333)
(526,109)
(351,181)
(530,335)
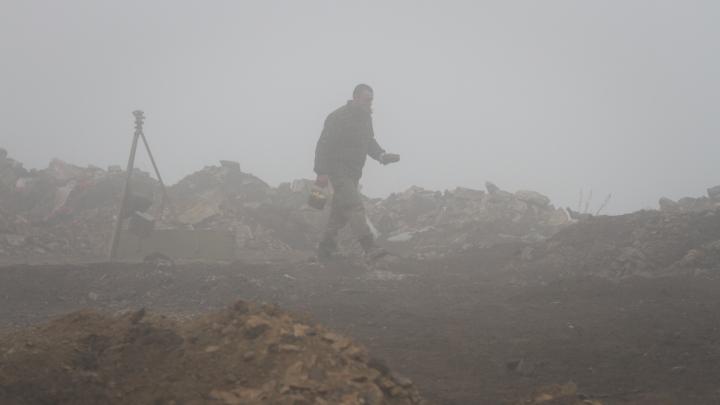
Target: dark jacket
(346,141)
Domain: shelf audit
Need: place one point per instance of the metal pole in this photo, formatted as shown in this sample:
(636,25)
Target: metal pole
(165,197)
(139,117)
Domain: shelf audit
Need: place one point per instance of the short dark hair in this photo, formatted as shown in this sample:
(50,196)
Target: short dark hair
(361,87)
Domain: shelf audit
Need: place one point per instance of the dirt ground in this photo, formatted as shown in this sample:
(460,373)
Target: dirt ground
(245,354)
(462,328)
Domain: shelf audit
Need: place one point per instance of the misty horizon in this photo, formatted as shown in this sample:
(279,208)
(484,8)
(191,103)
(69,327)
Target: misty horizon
(556,97)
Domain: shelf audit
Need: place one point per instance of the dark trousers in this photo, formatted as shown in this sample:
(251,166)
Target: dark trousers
(346,208)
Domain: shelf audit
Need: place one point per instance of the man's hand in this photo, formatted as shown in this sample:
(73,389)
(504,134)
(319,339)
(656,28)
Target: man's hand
(322,180)
(387,158)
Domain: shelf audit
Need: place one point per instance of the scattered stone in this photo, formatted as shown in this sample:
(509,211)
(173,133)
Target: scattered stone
(300,330)
(565,394)
(289,348)
(255,326)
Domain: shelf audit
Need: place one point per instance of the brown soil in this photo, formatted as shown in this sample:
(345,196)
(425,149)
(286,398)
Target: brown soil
(241,355)
(462,328)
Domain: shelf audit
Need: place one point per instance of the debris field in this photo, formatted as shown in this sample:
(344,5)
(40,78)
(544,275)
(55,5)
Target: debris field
(490,297)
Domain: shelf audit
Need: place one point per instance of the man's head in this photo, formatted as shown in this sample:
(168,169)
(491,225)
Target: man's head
(363,95)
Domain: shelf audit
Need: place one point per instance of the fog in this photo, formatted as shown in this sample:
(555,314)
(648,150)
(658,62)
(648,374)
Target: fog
(615,97)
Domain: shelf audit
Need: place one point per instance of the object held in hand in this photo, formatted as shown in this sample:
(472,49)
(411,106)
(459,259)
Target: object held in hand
(388,158)
(317,198)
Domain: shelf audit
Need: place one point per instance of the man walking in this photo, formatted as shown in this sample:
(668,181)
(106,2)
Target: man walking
(346,141)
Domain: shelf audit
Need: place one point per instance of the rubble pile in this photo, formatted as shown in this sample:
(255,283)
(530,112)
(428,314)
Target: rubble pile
(690,204)
(430,224)
(245,354)
(262,218)
(61,210)
(66,210)
(645,243)
(416,222)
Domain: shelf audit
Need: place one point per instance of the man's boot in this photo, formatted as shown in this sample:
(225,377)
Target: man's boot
(372,251)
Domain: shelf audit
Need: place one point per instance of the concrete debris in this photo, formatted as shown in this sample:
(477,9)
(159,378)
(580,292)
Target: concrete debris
(63,210)
(644,244)
(714,193)
(68,211)
(426,224)
(264,219)
(689,204)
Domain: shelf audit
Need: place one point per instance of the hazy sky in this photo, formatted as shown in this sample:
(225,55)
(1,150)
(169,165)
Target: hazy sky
(616,96)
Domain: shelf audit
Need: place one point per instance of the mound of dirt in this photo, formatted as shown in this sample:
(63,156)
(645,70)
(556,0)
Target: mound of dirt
(245,354)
